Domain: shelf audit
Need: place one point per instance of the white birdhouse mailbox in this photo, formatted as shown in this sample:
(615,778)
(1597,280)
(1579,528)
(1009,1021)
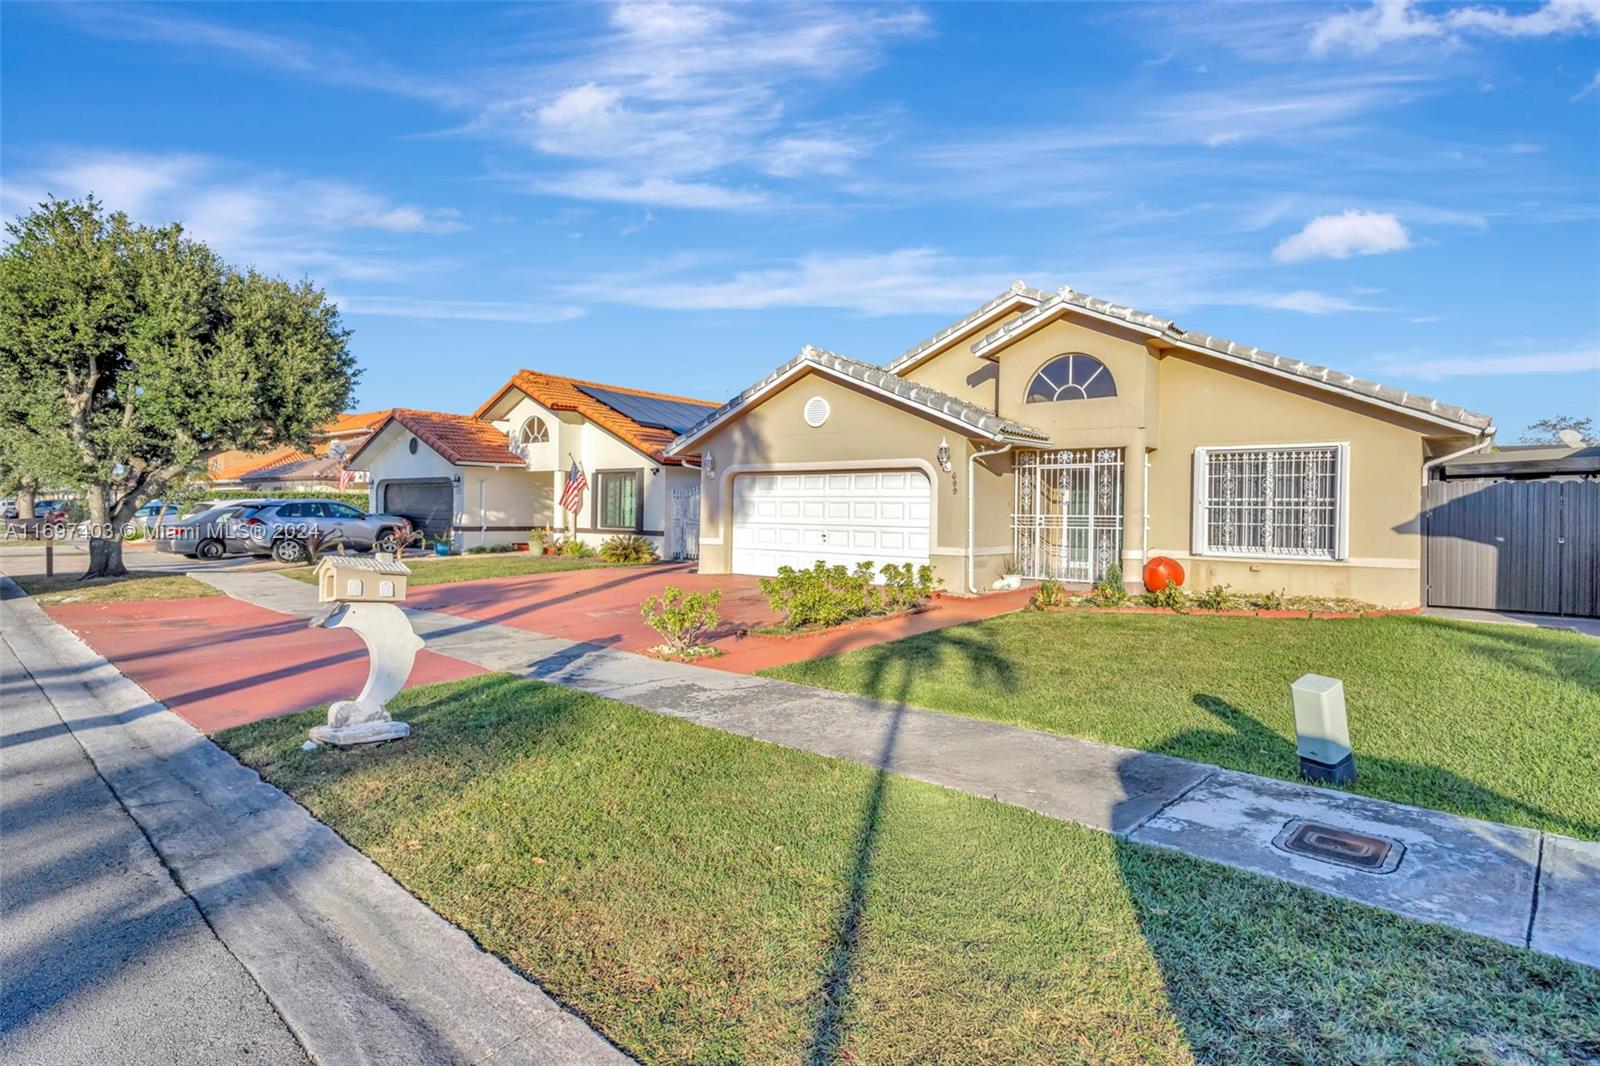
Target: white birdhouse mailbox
(361,579)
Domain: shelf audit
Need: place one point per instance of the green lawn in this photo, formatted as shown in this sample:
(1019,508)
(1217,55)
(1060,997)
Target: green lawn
(1492,721)
(443,571)
(137,585)
(702,897)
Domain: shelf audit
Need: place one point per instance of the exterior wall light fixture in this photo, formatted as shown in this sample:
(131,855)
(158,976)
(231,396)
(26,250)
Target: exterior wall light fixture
(944,454)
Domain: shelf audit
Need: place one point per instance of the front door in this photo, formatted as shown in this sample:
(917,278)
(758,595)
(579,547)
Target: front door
(1067,523)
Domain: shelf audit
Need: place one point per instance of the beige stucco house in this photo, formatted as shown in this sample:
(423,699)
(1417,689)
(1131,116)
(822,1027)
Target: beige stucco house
(490,477)
(1066,433)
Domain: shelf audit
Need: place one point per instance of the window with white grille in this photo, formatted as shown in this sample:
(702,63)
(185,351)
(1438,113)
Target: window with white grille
(1287,501)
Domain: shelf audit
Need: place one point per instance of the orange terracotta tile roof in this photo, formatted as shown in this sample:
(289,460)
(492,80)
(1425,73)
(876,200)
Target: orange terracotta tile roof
(256,462)
(351,421)
(458,438)
(562,394)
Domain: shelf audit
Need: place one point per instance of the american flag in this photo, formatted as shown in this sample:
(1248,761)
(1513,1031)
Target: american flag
(344,478)
(572,495)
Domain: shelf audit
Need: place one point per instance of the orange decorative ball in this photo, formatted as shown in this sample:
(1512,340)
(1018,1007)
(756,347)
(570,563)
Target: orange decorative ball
(1160,572)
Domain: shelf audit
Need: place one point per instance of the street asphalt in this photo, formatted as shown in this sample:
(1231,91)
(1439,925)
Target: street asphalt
(105,959)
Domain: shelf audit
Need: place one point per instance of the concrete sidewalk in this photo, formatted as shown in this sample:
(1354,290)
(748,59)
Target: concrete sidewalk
(1469,874)
(358,969)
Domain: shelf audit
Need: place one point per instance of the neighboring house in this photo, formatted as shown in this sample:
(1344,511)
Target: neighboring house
(1069,433)
(499,472)
(286,469)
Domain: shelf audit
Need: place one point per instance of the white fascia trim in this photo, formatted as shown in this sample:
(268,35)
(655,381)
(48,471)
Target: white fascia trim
(1341,531)
(899,367)
(967,429)
(985,347)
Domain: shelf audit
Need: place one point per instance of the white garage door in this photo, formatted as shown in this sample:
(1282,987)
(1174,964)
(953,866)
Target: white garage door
(796,519)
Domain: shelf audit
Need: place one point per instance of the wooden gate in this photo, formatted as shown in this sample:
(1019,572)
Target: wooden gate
(1513,545)
(683,531)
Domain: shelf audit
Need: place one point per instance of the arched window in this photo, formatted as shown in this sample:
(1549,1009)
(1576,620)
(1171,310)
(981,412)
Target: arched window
(1071,377)
(533,431)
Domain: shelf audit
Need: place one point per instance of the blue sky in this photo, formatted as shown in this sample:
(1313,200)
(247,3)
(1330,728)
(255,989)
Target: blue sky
(679,197)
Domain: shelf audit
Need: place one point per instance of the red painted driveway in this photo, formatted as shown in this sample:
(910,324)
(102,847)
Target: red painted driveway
(219,662)
(602,606)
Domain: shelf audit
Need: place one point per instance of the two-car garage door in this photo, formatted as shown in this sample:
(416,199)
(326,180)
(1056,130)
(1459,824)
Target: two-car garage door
(840,517)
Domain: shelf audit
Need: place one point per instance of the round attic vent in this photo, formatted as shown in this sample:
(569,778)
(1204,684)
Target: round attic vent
(412,445)
(816,411)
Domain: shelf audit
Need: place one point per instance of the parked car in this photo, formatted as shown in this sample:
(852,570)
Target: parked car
(285,527)
(8,509)
(154,515)
(211,532)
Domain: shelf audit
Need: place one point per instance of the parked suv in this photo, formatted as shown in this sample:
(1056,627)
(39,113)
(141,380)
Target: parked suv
(283,527)
(210,533)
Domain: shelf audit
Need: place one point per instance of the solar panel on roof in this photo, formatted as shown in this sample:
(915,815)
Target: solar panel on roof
(647,410)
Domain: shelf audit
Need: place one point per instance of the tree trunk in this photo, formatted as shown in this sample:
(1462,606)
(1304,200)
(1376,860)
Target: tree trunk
(105,552)
(27,490)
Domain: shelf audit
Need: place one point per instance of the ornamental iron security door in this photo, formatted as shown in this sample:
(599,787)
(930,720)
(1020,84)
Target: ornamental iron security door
(1067,523)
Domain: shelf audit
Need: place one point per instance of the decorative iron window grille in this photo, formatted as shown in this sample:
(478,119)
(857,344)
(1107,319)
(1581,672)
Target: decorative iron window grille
(1067,523)
(1281,501)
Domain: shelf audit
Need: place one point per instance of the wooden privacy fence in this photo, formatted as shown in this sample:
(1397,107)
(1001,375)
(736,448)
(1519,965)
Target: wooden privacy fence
(1513,545)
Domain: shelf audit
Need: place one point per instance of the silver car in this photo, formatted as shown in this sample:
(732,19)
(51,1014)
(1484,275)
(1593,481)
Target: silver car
(210,533)
(286,527)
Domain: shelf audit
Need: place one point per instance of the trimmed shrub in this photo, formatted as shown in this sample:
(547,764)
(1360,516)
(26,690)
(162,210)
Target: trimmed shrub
(907,587)
(1048,593)
(573,548)
(1170,596)
(1109,591)
(683,619)
(1215,598)
(821,595)
(627,548)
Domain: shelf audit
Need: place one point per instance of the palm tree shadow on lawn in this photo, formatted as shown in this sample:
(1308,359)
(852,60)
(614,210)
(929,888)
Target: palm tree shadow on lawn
(1156,884)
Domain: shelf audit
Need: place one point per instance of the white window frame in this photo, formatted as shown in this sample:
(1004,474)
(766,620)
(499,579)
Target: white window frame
(1341,531)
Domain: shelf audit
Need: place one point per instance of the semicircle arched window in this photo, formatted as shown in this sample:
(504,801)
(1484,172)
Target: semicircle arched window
(533,431)
(1071,377)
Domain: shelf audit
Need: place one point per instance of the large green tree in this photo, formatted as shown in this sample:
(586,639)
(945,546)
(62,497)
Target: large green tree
(129,353)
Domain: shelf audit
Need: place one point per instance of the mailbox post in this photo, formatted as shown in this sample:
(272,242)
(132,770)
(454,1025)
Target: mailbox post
(362,593)
(1322,731)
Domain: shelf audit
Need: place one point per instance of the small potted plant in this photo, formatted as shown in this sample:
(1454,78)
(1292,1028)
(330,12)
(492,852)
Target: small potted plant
(1010,574)
(540,540)
(441,546)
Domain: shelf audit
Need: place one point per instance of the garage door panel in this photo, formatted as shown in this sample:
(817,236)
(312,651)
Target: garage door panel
(428,505)
(839,518)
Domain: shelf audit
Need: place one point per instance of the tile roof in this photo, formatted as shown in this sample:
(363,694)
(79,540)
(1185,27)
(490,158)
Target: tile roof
(1019,293)
(354,421)
(562,394)
(981,419)
(257,463)
(301,468)
(1067,300)
(460,439)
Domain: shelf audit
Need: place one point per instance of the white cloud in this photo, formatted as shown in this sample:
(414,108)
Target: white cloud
(902,281)
(674,93)
(1387,22)
(1590,89)
(286,54)
(1342,236)
(277,223)
(614,187)
(1572,361)
(474,310)
(1305,301)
